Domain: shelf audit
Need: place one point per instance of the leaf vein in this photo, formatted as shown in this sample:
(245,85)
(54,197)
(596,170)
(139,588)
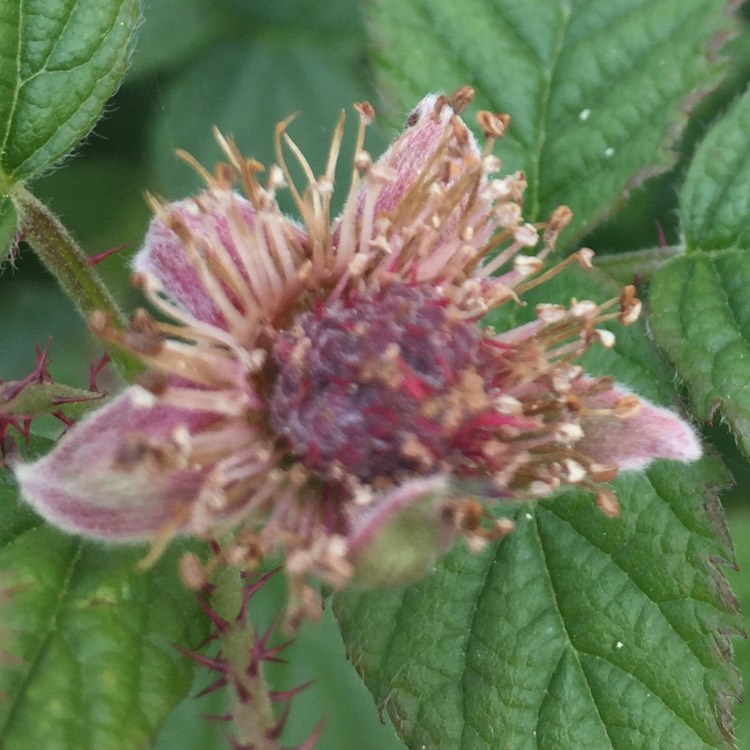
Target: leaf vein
(45,641)
(565,631)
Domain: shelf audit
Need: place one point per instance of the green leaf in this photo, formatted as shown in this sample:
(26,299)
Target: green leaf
(591,118)
(269,67)
(700,316)
(715,200)
(577,632)
(86,639)
(60,63)
(194,26)
(8,227)
(739,525)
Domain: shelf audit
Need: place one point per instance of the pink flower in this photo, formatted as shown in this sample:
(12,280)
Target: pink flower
(327,387)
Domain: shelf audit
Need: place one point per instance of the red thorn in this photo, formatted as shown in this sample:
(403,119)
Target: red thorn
(242,691)
(216,685)
(208,639)
(60,415)
(221,624)
(22,425)
(253,588)
(62,400)
(237,745)
(715,404)
(218,717)
(38,375)
(95,260)
(216,664)
(278,728)
(277,696)
(661,238)
(42,361)
(269,657)
(16,246)
(309,743)
(261,652)
(272,654)
(96,369)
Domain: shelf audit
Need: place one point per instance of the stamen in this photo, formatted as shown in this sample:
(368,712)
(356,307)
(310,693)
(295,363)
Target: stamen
(193,163)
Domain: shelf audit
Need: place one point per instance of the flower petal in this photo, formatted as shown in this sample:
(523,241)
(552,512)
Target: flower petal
(413,150)
(207,217)
(633,442)
(97,481)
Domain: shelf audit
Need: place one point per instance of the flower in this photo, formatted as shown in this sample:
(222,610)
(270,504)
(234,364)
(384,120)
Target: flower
(327,388)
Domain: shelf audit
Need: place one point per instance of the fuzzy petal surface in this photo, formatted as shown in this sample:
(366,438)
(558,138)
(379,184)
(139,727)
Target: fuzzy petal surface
(164,256)
(86,484)
(414,151)
(633,442)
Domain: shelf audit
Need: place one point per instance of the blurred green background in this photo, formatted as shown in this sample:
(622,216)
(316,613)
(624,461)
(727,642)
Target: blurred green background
(243,65)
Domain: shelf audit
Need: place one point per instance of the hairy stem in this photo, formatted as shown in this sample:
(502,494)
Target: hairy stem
(64,259)
(637,266)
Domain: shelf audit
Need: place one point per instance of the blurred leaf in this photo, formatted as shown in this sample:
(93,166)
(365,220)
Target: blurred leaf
(8,227)
(700,316)
(263,77)
(86,639)
(332,16)
(34,312)
(61,60)
(715,200)
(598,92)
(194,26)
(577,632)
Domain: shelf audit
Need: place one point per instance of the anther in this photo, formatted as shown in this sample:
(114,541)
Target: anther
(460,99)
(494,125)
(366,111)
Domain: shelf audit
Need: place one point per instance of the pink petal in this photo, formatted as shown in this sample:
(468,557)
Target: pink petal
(163,253)
(412,151)
(85,485)
(634,442)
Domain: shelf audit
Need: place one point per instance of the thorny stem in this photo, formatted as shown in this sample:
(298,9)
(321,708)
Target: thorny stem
(251,710)
(64,259)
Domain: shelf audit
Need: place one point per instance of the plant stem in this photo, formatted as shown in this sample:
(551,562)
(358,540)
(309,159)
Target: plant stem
(252,709)
(64,259)
(639,265)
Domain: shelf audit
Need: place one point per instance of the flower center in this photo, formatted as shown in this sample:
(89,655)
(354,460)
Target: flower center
(379,385)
